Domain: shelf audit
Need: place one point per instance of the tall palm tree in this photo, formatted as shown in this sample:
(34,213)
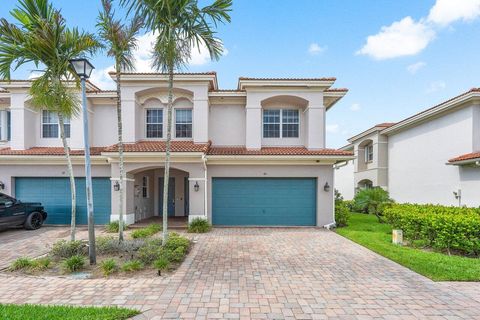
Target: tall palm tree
(40,36)
(179,26)
(120,39)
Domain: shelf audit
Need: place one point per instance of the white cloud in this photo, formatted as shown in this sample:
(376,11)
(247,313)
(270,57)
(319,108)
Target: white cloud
(402,38)
(415,67)
(332,128)
(355,107)
(315,49)
(143,60)
(436,86)
(445,12)
(34,74)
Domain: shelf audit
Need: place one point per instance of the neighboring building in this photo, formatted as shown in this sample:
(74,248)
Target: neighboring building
(251,156)
(430,157)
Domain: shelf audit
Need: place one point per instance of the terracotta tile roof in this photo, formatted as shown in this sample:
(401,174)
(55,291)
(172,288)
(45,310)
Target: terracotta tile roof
(160,146)
(468,156)
(289,79)
(385,124)
(47,151)
(166,74)
(337,90)
(287,151)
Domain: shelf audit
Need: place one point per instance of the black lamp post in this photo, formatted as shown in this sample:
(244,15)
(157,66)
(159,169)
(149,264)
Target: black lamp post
(83,68)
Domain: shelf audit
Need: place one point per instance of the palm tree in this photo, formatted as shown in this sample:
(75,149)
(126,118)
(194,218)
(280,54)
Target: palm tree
(41,37)
(120,40)
(179,25)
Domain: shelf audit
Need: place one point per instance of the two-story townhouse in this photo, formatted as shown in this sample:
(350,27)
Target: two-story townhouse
(430,157)
(255,155)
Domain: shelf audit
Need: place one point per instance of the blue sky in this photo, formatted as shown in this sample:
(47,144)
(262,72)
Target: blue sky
(396,57)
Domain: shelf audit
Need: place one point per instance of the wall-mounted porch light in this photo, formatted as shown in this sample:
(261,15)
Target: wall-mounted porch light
(326,187)
(196,187)
(2,185)
(116,186)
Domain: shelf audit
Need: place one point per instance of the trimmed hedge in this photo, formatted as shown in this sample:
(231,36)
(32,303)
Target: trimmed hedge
(439,227)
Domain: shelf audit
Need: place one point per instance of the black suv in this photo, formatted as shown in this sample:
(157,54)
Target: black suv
(14,213)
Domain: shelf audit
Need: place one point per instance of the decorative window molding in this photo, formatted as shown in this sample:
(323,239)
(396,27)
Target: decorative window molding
(5,130)
(50,125)
(281,123)
(183,123)
(154,123)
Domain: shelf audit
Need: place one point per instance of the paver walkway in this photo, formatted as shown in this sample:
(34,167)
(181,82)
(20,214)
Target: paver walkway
(266,274)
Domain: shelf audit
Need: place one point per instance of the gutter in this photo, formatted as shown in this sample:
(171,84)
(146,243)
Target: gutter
(204,158)
(340,165)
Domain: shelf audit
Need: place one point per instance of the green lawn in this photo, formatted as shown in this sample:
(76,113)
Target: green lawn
(366,231)
(38,312)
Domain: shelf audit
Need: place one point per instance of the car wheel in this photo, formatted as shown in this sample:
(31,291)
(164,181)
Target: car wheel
(34,221)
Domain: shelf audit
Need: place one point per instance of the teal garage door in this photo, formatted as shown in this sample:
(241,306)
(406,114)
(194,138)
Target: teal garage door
(54,194)
(264,201)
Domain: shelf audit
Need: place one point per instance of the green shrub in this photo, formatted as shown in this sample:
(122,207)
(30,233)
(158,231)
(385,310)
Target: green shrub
(21,263)
(175,240)
(111,245)
(67,249)
(439,227)
(109,266)
(161,264)
(74,263)
(42,263)
(199,225)
(112,227)
(342,214)
(132,265)
(150,251)
(146,232)
(372,201)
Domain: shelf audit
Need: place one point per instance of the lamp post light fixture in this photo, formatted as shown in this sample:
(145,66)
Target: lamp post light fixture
(83,69)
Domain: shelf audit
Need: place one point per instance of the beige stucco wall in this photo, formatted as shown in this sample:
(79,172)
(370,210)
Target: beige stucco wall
(323,173)
(227,125)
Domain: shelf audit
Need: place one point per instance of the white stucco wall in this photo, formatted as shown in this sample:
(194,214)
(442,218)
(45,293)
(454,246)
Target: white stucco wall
(227,125)
(344,181)
(104,126)
(417,170)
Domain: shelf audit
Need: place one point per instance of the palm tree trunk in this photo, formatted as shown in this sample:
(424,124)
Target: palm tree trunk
(166,175)
(120,155)
(73,190)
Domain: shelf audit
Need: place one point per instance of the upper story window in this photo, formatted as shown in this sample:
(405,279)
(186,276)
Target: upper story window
(5,130)
(369,152)
(183,123)
(50,126)
(154,123)
(282,123)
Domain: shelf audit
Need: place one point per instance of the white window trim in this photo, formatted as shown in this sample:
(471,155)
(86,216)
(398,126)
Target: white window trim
(3,125)
(368,148)
(281,123)
(65,122)
(146,124)
(174,129)
(146,187)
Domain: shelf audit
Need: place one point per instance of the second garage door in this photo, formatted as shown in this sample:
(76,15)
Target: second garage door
(54,194)
(264,201)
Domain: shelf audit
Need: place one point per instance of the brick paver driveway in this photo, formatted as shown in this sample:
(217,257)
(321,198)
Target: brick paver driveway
(266,274)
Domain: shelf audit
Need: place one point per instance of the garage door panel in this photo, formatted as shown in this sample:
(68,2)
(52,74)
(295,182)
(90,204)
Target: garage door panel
(54,194)
(264,201)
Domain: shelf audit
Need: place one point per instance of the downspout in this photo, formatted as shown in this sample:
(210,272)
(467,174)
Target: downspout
(205,210)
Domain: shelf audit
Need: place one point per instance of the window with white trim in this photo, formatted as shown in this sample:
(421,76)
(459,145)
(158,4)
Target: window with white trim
(50,126)
(282,123)
(145,187)
(369,153)
(4,125)
(154,123)
(183,123)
